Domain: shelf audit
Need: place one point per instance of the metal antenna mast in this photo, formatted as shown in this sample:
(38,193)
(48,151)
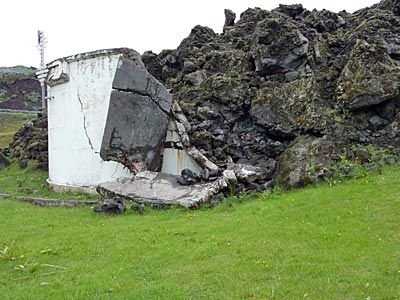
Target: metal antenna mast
(42,73)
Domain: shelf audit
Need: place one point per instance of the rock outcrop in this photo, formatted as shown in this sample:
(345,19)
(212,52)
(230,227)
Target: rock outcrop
(285,81)
(309,158)
(30,143)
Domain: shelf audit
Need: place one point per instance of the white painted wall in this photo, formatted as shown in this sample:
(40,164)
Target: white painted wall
(77,112)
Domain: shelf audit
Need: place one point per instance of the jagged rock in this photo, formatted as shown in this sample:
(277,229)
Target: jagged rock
(4,163)
(138,208)
(294,11)
(306,160)
(230,17)
(286,108)
(325,21)
(199,36)
(216,200)
(369,78)
(111,206)
(275,75)
(249,174)
(188,177)
(279,46)
(392,5)
(30,143)
(153,64)
(229,180)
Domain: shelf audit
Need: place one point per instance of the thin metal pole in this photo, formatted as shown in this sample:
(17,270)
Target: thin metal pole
(41,45)
(43,97)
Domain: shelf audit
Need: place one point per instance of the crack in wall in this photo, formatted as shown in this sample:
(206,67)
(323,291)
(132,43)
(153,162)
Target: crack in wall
(168,113)
(84,123)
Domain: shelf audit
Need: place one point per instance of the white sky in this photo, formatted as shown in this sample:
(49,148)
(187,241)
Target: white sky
(75,26)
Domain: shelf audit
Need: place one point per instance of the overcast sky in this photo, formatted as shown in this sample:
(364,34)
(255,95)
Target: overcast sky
(75,26)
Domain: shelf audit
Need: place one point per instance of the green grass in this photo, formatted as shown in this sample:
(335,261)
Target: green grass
(10,123)
(32,182)
(321,242)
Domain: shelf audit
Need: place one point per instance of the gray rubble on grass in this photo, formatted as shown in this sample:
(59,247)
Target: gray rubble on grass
(160,190)
(111,206)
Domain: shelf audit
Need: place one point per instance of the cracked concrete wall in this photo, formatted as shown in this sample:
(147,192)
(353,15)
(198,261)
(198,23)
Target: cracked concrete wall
(77,110)
(136,126)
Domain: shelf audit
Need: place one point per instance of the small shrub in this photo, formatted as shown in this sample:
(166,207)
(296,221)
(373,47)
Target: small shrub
(32,97)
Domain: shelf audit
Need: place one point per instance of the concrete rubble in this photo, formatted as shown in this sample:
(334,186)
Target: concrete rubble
(160,190)
(111,206)
(137,119)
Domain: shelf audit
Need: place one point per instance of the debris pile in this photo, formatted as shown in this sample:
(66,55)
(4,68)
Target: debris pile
(278,98)
(275,78)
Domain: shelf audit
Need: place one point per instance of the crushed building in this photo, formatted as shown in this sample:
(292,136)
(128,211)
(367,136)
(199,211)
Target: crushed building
(111,124)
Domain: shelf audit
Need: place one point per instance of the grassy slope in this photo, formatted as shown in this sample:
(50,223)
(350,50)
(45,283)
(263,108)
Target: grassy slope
(338,242)
(9,124)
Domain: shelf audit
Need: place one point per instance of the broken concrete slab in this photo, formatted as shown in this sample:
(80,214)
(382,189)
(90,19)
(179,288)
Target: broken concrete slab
(132,76)
(55,202)
(137,119)
(135,132)
(159,189)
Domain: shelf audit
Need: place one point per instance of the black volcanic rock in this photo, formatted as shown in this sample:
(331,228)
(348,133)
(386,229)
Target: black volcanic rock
(31,143)
(273,76)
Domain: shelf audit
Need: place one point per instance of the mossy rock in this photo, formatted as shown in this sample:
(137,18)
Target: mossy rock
(305,160)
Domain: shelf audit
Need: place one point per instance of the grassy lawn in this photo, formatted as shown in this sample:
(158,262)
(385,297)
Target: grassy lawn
(10,122)
(32,182)
(321,242)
